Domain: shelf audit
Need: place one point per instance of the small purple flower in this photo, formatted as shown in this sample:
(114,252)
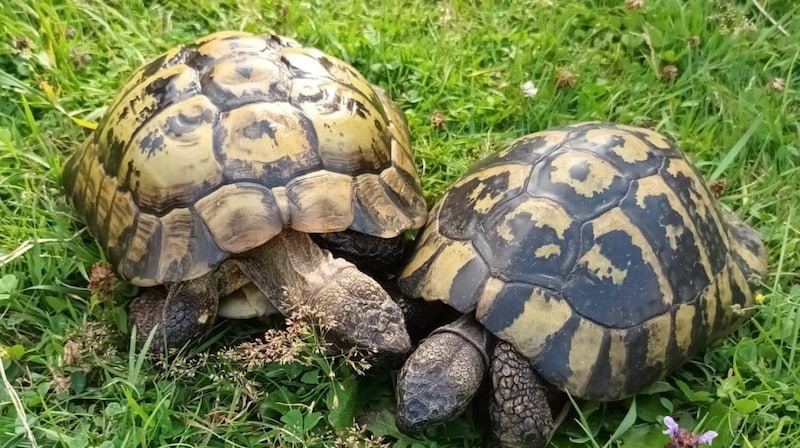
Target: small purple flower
(672,427)
(707,437)
(683,438)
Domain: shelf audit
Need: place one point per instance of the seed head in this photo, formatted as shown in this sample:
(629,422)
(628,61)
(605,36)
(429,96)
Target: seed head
(438,119)
(102,282)
(634,4)
(565,78)
(777,85)
(669,72)
(718,187)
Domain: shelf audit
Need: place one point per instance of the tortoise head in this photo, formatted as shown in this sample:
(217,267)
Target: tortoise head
(749,249)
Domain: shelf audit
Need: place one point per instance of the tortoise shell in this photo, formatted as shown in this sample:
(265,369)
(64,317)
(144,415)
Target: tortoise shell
(594,249)
(214,147)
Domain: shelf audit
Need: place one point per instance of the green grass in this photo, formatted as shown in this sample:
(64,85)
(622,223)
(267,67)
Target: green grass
(61,63)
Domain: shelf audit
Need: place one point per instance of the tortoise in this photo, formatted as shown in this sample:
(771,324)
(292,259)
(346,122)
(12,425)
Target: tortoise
(222,167)
(589,259)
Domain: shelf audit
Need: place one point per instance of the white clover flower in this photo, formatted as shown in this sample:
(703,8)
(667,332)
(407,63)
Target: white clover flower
(528,89)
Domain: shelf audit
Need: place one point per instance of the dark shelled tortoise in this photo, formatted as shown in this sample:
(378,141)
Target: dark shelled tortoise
(590,259)
(216,162)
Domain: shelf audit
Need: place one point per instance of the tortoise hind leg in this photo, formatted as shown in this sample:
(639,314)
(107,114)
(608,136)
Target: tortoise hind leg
(519,410)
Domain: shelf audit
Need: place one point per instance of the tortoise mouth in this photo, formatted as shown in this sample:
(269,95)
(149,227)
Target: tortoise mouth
(383,354)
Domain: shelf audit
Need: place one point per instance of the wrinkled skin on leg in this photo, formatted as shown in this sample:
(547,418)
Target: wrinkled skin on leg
(519,411)
(442,375)
(750,252)
(147,311)
(364,314)
(371,254)
(381,258)
(186,312)
(292,270)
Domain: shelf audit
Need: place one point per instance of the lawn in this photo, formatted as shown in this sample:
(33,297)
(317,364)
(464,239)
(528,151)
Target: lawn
(720,77)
